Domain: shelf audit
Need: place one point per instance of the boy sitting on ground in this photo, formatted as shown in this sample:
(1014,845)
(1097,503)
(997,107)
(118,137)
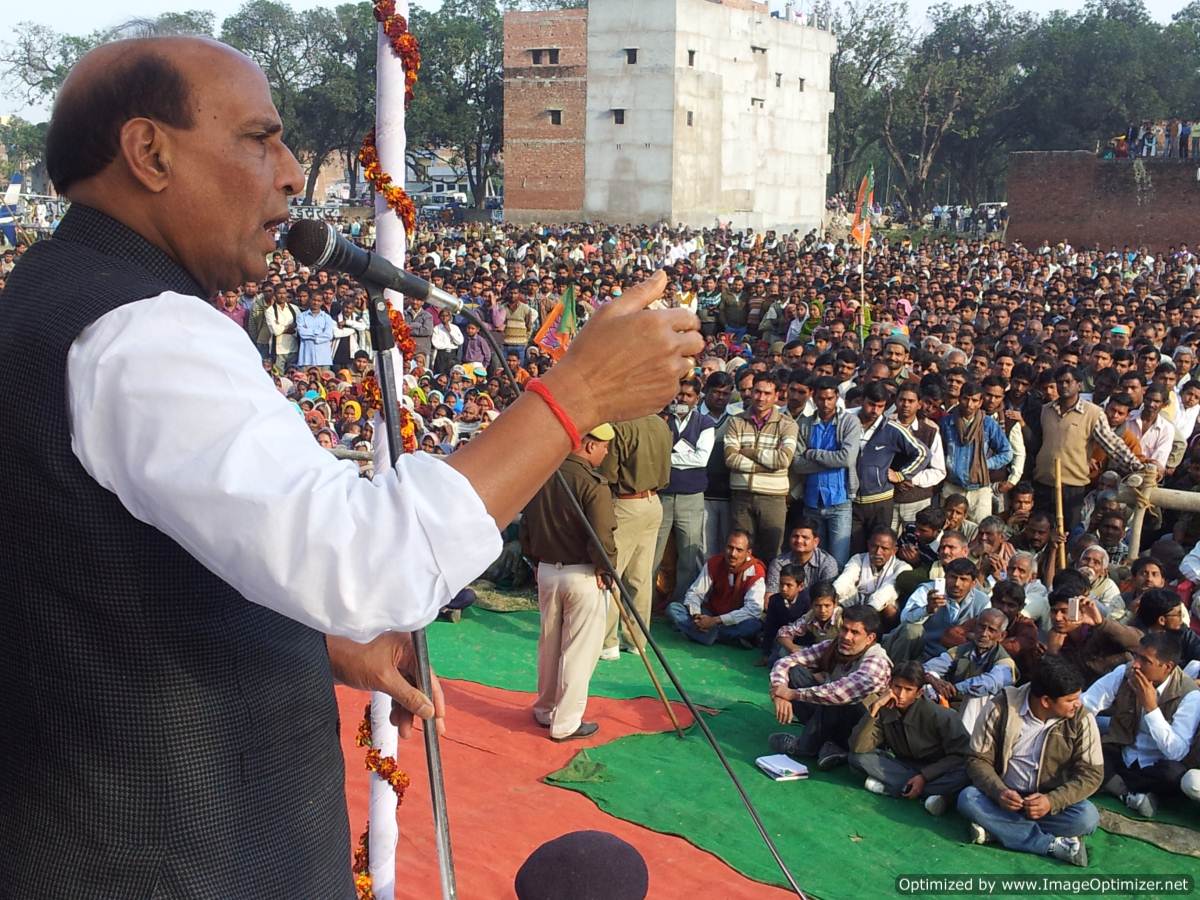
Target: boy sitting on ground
(820,623)
(908,746)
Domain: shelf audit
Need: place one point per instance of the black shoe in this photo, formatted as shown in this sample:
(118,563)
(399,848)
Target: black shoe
(782,742)
(831,756)
(585,729)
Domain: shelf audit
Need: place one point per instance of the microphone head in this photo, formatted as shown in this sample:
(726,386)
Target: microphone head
(311,242)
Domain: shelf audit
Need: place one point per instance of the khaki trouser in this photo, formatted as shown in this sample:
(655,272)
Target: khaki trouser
(572,607)
(637,533)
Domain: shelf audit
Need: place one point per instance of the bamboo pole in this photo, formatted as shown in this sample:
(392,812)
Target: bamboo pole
(1058,512)
(627,623)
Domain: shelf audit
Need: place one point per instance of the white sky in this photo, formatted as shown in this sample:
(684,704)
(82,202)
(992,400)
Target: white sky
(86,16)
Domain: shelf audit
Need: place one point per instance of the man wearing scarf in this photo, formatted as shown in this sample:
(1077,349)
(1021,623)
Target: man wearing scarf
(974,444)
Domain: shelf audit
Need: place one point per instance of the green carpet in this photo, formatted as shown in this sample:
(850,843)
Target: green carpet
(839,840)
(822,826)
(500,650)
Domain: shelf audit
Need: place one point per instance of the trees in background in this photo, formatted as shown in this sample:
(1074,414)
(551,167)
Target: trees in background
(938,108)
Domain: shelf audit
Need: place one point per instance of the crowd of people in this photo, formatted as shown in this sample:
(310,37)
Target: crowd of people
(866,498)
(1173,138)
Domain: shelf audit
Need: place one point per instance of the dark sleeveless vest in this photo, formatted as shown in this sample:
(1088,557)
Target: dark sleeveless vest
(160,736)
(925,433)
(689,481)
(1126,715)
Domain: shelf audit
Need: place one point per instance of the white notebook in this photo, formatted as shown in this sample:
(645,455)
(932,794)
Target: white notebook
(782,767)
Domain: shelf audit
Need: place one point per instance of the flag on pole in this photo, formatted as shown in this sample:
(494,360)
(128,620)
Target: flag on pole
(862,208)
(560,326)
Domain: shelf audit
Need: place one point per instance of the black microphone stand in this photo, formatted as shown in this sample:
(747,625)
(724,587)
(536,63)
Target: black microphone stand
(382,341)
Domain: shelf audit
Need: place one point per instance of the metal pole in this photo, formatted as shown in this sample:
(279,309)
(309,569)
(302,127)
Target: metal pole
(384,342)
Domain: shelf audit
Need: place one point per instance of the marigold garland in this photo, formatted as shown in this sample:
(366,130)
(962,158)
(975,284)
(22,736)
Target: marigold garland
(408,426)
(395,196)
(404,43)
(386,768)
(406,47)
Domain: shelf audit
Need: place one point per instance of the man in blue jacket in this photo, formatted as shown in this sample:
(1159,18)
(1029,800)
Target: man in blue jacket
(975,444)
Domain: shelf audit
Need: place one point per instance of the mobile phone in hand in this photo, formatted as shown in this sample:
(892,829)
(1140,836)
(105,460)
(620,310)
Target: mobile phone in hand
(1073,609)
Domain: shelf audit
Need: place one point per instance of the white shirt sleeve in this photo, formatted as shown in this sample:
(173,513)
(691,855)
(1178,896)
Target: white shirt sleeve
(1190,567)
(935,472)
(685,456)
(1174,738)
(916,610)
(752,607)
(171,411)
(698,592)
(1099,696)
(846,584)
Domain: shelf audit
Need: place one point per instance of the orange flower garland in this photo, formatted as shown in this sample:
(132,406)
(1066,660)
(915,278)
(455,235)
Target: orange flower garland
(387,769)
(408,50)
(408,426)
(395,196)
(404,44)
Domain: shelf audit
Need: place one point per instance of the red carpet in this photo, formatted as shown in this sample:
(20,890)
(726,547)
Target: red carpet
(500,811)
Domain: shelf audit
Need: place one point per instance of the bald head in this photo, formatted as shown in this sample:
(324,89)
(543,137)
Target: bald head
(178,139)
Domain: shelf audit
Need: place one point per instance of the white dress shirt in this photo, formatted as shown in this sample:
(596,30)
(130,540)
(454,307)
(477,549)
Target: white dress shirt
(859,583)
(1157,739)
(1156,439)
(172,412)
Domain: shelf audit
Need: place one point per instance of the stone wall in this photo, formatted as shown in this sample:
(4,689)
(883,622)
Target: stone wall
(1073,195)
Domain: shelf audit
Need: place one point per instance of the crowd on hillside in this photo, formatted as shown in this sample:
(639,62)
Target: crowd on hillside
(867,498)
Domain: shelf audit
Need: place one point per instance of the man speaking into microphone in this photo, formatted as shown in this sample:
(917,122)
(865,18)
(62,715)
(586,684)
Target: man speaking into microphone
(176,608)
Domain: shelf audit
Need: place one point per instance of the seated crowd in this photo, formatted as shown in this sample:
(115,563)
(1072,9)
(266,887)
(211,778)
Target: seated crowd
(868,499)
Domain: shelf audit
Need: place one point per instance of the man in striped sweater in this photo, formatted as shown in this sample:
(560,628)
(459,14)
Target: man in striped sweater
(759,447)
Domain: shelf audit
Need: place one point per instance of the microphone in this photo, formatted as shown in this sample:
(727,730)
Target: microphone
(318,245)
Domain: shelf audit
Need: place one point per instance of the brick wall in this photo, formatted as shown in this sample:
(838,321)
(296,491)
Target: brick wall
(1086,200)
(543,162)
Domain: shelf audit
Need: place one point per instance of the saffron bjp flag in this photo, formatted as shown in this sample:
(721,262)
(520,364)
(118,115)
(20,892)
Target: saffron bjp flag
(861,229)
(560,326)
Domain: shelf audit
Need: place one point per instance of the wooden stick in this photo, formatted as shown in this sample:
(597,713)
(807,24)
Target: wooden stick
(630,629)
(1058,511)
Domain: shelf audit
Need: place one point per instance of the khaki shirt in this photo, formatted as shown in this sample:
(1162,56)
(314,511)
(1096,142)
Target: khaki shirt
(550,529)
(639,456)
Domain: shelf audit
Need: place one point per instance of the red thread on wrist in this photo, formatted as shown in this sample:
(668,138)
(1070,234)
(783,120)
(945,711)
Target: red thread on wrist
(535,385)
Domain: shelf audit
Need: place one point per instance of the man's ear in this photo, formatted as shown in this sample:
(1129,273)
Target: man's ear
(145,151)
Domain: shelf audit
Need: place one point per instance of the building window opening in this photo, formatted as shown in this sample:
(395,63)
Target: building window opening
(757,103)
(631,55)
(556,117)
(778,79)
(689,117)
(754,49)
(691,57)
(553,54)
(537,57)
(618,116)
(802,85)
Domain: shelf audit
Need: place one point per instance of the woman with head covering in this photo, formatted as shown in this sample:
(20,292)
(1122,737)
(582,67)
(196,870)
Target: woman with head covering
(327,438)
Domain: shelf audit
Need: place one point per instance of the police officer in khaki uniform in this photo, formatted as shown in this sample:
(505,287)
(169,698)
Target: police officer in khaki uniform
(572,584)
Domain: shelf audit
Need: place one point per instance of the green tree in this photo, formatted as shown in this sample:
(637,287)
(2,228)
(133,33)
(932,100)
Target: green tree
(24,144)
(320,64)
(37,59)
(459,99)
(872,40)
(985,40)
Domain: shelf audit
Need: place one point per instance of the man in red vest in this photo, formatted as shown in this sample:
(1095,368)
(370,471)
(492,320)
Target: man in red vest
(725,602)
